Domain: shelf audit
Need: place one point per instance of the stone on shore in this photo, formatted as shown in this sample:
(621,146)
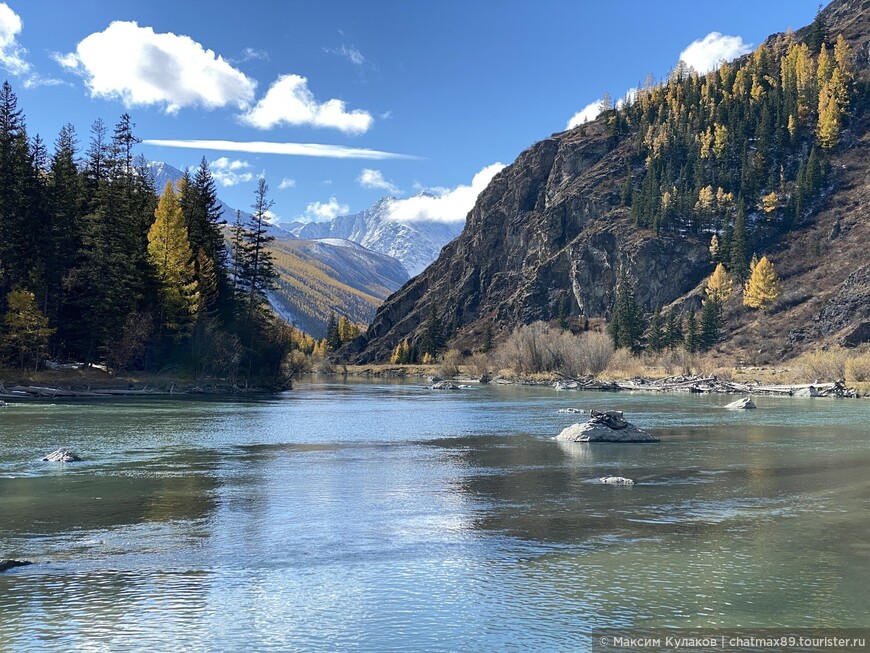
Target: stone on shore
(8,563)
(809,391)
(62,456)
(615,480)
(609,426)
(445,385)
(741,404)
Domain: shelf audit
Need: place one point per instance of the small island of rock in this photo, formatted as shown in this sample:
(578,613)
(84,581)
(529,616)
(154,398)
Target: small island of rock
(608,426)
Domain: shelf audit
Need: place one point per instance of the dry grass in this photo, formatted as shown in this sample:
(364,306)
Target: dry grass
(822,366)
(857,368)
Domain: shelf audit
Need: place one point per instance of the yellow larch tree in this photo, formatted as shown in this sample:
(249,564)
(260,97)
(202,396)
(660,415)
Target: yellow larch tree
(763,286)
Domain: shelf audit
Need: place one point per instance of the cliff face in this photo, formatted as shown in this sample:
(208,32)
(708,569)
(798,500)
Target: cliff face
(545,233)
(550,232)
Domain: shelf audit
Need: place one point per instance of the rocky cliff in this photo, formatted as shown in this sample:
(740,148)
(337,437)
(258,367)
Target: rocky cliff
(550,234)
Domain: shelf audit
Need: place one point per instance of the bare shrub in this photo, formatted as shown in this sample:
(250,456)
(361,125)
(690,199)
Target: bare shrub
(322,365)
(857,368)
(676,361)
(449,366)
(295,363)
(479,364)
(538,348)
(624,364)
(822,365)
(129,349)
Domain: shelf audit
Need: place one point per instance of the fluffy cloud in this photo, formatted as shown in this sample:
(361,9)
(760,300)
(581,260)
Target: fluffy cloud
(141,67)
(590,111)
(11,53)
(289,102)
(230,173)
(369,178)
(292,149)
(325,211)
(450,206)
(287,183)
(707,53)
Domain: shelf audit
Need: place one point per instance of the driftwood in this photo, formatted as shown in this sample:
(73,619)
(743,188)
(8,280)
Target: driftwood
(704,384)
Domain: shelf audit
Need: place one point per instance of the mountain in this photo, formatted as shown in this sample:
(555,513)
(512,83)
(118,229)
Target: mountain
(331,275)
(319,275)
(634,192)
(415,244)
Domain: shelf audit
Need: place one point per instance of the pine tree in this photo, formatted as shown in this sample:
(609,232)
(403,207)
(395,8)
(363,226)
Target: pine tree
(170,253)
(433,338)
(673,330)
(333,337)
(738,243)
(486,345)
(691,332)
(710,320)
(255,266)
(655,335)
(626,326)
(762,289)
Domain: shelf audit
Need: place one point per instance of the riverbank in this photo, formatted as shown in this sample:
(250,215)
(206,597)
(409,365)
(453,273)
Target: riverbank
(751,381)
(71,384)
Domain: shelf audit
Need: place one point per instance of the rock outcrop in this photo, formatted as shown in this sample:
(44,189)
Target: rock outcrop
(741,404)
(61,456)
(9,563)
(609,426)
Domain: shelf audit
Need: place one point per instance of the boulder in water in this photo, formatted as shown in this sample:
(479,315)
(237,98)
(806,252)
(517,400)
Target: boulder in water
(444,385)
(615,480)
(8,563)
(62,456)
(608,426)
(741,404)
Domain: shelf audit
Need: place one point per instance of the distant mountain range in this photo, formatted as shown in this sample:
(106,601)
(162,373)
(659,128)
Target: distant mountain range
(322,272)
(415,244)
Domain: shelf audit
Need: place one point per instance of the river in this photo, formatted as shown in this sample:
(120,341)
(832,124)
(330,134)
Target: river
(378,516)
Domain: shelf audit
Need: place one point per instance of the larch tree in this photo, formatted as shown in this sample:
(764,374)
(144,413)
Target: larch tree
(27,330)
(170,253)
(763,286)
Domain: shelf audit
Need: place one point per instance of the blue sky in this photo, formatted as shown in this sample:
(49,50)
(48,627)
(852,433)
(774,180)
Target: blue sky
(451,87)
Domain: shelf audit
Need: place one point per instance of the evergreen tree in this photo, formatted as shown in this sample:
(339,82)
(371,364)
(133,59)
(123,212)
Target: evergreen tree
(433,338)
(626,327)
(655,334)
(256,268)
(710,320)
(673,330)
(691,332)
(486,345)
(762,289)
(333,337)
(738,243)
(14,173)
(817,34)
(170,254)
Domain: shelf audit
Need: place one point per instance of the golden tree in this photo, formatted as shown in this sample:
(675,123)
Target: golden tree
(720,286)
(762,289)
(27,330)
(170,254)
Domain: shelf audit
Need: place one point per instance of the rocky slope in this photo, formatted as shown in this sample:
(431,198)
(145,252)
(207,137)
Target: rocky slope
(551,228)
(415,244)
(332,275)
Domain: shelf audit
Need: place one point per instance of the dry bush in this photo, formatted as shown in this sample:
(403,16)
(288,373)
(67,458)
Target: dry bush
(537,348)
(676,361)
(822,365)
(857,367)
(623,364)
(296,363)
(322,365)
(479,364)
(449,365)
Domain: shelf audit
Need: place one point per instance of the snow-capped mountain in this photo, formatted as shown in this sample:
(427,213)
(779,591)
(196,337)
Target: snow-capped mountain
(415,244)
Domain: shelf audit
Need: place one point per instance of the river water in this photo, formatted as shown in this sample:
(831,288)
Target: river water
(384,516)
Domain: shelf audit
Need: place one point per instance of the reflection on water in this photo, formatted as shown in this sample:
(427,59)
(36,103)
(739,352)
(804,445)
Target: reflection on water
(385,517)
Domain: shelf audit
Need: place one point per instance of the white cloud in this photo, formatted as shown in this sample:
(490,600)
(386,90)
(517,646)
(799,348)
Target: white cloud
(586,114)
(450,206)
(590,111)
(707,53)
(11,53)
(351,53)
(287,183)
(369,178)
(289,102)
(228,172)
(291,149)
(141,67)
(253,54)
(325,211)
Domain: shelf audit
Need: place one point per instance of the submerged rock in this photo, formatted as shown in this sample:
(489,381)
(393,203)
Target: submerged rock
(62,456)
(8,563)
(609,426)
(746,402)
(615,480)
(571,410)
